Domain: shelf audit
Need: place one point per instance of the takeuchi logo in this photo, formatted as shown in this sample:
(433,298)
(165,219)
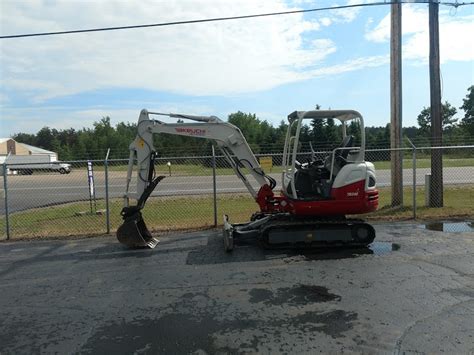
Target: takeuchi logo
(191,131)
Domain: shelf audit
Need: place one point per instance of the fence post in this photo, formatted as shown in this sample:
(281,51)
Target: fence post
(107,207)
(7,217)
(414,176)
(214,184)
(414,183)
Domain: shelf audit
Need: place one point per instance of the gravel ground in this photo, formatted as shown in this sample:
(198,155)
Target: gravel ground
(413,292)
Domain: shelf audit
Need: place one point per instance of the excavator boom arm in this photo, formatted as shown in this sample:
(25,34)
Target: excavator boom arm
(228,138)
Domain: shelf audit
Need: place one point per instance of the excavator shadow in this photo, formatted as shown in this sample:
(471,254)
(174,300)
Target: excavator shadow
(213,252)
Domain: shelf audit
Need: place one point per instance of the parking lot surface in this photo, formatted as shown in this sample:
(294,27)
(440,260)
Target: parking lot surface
(412,292)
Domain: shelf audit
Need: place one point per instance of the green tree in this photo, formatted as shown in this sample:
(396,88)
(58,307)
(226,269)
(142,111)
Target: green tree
(79,150)
(25,138)
(375,137)
(330,131)
(318,133)
(280,136)
(447,120)
(319,137)
(55,146)
(252,128)
(67,137)
(305,133)
(467,122)
(354,129)
(45,137)
(65,153)
(126,133)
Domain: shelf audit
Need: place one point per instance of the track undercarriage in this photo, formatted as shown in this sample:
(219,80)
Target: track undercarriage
(287,231)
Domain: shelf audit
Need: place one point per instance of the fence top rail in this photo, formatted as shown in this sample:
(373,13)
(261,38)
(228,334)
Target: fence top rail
(448,147)
(420,148)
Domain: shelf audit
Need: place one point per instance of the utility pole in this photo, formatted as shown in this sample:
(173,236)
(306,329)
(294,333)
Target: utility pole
(396,104)
(436,186)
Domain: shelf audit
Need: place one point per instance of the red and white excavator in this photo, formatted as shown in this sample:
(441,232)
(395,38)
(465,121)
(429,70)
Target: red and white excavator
(315,197)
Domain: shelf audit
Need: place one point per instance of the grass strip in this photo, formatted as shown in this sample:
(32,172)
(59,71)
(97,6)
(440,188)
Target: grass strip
(194,212)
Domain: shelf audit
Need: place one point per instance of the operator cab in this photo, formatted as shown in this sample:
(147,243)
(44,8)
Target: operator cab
(313,179)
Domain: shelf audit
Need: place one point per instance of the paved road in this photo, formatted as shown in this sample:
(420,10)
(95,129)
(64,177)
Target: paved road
(25,192)
(188,296)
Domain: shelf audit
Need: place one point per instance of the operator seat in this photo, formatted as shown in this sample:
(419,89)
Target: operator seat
(340,156)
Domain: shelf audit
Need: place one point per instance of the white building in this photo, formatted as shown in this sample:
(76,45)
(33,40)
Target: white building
(9,145)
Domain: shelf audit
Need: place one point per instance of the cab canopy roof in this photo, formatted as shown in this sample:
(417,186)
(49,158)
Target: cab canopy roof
(341,115)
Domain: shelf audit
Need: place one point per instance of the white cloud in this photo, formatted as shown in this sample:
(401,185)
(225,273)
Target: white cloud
(334,16)
(32,119)
(326,21)
(352,65)
(414,20)
(4,99)
(455,38)
(380,33)
(349,14)
(455,35)
(214,58)
(219,58)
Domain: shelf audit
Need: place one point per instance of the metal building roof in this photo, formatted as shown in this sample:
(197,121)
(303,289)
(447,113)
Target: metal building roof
(31,148)
(34,149)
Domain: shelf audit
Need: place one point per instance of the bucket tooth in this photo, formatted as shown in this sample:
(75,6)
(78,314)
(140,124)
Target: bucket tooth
(152,243)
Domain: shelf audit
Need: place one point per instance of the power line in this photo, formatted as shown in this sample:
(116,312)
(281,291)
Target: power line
(456,4)
(215,19)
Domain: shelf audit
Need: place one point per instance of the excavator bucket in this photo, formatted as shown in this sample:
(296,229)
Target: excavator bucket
(134,232)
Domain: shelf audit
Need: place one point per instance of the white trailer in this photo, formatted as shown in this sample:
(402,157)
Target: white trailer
(27,164)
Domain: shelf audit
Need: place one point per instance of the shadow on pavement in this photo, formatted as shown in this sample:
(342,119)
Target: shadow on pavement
(213,252)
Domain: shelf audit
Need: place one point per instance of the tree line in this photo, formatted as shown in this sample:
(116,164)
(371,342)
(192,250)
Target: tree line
(93,143)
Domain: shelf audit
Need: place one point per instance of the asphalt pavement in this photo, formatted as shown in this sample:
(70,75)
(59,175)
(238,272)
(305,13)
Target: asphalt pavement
(412,293)
(26,192)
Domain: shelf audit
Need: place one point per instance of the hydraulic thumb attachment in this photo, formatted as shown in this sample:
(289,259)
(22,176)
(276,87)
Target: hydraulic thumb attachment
(133,232)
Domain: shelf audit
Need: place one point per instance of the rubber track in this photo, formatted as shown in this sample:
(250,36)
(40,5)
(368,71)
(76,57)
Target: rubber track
(288,222)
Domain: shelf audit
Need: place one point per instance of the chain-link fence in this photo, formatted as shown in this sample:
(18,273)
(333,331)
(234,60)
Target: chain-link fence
(86,197)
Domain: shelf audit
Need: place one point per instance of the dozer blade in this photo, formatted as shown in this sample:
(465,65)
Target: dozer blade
(228,232)
(134,233)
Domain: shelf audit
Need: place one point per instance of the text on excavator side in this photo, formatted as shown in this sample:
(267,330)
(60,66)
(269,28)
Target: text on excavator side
(191,131)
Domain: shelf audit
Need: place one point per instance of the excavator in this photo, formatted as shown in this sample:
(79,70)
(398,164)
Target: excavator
(315,196)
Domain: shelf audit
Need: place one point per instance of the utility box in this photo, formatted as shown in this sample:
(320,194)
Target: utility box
(427,190)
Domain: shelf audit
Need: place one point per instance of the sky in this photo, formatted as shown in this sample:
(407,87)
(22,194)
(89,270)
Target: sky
(268,66)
